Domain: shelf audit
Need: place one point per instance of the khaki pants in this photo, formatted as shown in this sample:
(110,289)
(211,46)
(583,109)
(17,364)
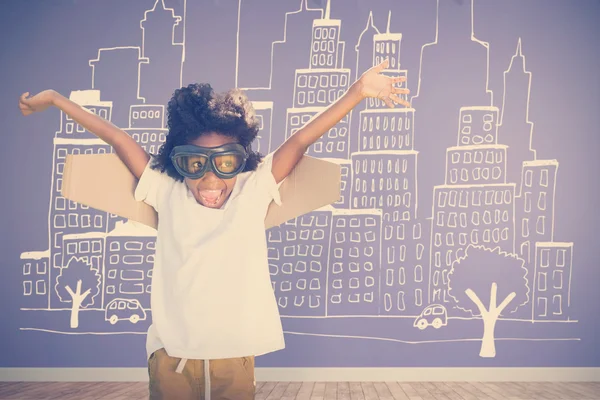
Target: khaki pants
(225,379)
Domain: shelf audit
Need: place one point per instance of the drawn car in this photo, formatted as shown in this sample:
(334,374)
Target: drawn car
(434,315)
(124,309)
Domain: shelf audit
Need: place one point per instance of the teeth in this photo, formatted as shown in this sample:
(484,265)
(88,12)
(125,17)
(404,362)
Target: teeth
(211,194)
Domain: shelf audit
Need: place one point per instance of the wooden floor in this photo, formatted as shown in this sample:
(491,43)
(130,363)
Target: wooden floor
(321,391)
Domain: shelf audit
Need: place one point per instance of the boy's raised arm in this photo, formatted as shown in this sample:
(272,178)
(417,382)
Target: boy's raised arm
(128,150)
(370,84)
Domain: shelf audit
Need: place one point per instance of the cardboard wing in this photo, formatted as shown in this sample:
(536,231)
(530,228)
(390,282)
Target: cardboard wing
(103,182)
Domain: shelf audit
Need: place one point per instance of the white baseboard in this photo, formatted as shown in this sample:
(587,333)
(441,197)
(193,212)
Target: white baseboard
(323,374)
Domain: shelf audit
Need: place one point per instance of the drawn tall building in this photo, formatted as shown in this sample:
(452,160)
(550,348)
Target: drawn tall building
(115,73)
(264,115)
(552,280)
(475,205)
(163,70)
(534,220)
(298,262)
(320,85)
(354,260)
(384,176)
(36,279)
(516,130)
(147,127)
(66,216)
(345,184)
(89,248)
(129,262)
(453,73)
(535,206)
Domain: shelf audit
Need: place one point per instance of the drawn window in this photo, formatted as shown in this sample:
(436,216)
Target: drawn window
(84,247)
(544,258)
(557,278)
(557,303)
(560,258)
(542,281)
(40,287)
(60,221)
(289,251)
(27,288)
(528,178)
(71,248)
(134,246)
(544,178)
(541,224)
(527,202)
(542,201)
(525,227)
(542,306)
(316,250)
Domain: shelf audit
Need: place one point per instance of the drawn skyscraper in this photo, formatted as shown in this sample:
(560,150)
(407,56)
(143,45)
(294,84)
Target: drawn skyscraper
(146,127)
(535,206)
(264,114)
(364,48)
(516,130)
(298,257)
(320,85)
(475,205)
(385,177)
(354,259)
(453,73)
(36,279)
(66,216)
(116,74)
(291,51)
(128,264)
(548,263)
(552,280)
(162,73)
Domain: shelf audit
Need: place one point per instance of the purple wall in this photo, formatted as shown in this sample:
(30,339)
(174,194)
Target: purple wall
(480,196)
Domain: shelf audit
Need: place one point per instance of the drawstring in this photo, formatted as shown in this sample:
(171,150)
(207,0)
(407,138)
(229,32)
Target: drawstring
(206,380)
(179,370)
(181,365)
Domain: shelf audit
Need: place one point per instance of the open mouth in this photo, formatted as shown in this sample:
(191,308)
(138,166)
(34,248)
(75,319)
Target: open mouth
(211,197)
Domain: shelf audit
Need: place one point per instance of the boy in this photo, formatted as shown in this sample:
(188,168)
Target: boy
(212,301)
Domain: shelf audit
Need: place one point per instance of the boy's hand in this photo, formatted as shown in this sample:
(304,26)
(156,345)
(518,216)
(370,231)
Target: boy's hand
(373,84)
(39,102)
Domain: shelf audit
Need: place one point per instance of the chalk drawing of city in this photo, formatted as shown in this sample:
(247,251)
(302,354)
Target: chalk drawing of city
(474,249)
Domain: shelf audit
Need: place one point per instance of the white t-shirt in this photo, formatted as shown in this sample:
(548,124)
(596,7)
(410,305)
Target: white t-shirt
(211,291)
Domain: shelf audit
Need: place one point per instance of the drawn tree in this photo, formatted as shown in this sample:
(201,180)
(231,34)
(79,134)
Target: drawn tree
(482,277)
(75,277)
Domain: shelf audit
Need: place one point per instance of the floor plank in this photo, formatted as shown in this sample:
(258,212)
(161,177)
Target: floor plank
(265,390)
(331,391)
(356,391)
(292,391)
(318,392)
(343,391)
(278,391)
(305,391)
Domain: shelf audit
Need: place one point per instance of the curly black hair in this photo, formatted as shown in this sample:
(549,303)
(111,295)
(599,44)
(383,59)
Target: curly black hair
(196,110)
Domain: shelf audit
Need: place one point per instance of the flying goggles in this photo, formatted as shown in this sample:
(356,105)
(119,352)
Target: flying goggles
(224,161)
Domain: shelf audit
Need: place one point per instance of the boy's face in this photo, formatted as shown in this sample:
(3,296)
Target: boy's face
(210,190)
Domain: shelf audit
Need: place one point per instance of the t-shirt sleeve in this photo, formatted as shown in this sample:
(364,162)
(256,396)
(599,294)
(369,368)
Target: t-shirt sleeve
(152,186)
(265,181)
